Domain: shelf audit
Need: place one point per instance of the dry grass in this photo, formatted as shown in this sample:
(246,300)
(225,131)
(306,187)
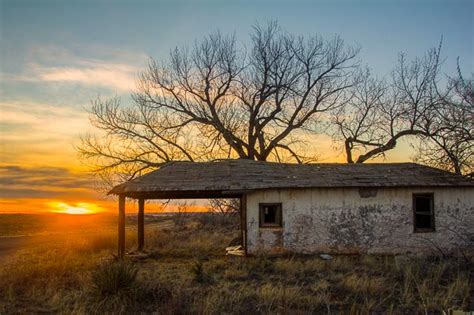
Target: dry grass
(188,273)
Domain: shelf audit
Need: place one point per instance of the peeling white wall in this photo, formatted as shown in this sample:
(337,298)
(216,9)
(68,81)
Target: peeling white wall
(340,220)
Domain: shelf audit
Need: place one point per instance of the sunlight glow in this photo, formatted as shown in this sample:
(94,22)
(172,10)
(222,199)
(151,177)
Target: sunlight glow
(78,208)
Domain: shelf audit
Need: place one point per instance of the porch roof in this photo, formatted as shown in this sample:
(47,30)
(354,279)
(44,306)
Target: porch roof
(232,178)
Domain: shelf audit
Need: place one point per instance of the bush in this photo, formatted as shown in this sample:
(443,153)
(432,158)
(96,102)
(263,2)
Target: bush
(115,277)
(200,275)
(215,221)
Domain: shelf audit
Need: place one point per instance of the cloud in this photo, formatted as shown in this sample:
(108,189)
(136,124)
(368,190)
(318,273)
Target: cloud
(77,54)
(114,76)
(12,175)
(34,189)
(39,114)
(35,133)
(43,182)
(94,66)
(14,193)
(42,96)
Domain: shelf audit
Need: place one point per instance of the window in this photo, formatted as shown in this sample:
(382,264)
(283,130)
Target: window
(270,215)
(423,213)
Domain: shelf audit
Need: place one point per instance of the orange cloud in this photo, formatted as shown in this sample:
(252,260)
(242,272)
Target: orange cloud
(31,189)
(40,134)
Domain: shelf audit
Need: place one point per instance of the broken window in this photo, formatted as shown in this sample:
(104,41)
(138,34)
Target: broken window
(270,215)
(423,213)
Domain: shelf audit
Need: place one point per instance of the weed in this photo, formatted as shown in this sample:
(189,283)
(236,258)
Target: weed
(112,278)
(199,273)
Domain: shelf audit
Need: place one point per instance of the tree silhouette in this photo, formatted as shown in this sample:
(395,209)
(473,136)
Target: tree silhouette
(218,100)
(452,146)
(381,112)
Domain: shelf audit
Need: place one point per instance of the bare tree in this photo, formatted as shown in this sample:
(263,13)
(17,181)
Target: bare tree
(452,146)
(380,113)
(217,100)
(225,206)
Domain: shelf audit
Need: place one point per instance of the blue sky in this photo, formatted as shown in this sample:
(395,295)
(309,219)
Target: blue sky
(60,33)
(56,56)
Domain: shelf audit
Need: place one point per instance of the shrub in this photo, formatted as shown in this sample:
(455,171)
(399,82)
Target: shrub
(216,221)
(115,277)
(198,272)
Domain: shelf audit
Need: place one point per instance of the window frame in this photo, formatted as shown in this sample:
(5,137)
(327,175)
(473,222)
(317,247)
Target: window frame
(278,216)
(430,195)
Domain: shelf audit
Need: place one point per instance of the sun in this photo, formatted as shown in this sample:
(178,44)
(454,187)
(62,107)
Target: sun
(77,208)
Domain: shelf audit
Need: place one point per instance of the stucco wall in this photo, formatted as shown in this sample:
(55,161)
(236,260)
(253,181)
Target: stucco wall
(340,220)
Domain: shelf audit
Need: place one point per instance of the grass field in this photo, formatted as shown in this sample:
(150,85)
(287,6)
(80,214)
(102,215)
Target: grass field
(75,272)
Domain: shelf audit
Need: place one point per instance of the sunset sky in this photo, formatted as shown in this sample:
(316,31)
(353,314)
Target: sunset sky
(56,56)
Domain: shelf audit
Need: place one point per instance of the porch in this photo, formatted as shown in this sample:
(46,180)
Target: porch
(141,201)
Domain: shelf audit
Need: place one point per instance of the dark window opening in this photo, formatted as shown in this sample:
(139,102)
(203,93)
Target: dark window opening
(423,210)
(270,215)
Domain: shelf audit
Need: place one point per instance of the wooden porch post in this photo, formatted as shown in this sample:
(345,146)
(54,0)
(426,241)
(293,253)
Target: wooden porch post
(141,224)
(121,227)
(243,221)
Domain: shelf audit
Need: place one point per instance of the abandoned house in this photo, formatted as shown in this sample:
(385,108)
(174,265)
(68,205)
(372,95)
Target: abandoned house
(313,208)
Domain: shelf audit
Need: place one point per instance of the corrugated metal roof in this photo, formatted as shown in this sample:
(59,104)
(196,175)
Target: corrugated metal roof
(242,175)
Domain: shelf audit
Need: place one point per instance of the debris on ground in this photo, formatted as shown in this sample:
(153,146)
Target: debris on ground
(235,251)
(325,256)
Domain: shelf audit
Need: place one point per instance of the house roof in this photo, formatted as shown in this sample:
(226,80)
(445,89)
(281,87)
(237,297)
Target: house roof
(233,177)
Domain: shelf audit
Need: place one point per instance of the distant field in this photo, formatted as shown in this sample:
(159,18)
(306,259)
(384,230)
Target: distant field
(23,231)
(34,224)
(29,224)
